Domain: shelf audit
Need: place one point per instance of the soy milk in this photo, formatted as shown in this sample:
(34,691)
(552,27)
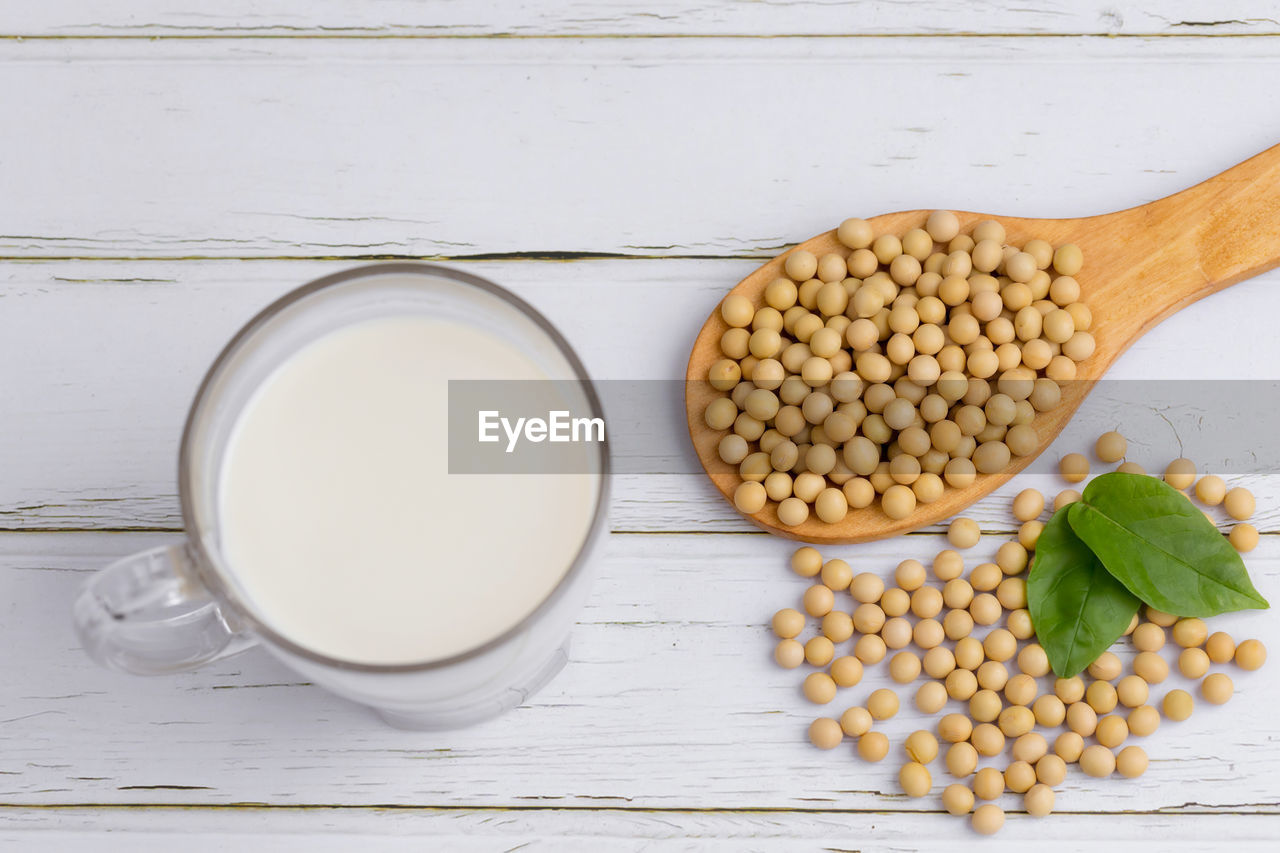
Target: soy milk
(341,523)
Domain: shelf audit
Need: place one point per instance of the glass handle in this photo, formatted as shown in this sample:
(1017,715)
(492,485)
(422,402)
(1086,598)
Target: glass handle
(149,614)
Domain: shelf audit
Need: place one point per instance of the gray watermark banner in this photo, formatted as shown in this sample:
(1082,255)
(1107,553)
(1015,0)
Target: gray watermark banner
(560,426)
(525,427)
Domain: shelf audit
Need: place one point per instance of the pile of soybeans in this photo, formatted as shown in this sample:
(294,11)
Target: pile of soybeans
(894,367)
(1001,682)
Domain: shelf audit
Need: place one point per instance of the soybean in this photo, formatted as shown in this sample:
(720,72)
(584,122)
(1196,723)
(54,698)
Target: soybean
(1111,447)
(1038,801)
(856,721)
(1131,762)
(915,779)
(873,746)
(825,733)
(957,799)
(1097,761)
(988,819)
(963,532)
(1178,705)
(1251,655)
(1217,688)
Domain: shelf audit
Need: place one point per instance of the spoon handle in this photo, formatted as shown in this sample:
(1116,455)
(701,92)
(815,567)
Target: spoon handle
(1171,252)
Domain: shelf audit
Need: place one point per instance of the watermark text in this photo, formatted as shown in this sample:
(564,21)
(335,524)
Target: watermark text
(556,427)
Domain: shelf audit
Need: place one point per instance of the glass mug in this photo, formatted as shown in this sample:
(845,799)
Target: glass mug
(174,608)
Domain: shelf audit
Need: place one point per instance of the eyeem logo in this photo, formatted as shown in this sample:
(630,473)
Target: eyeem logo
(558,427)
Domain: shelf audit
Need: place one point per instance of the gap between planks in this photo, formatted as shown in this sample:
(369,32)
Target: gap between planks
(935,532)
(250,35)
(525,256)
(1188,809)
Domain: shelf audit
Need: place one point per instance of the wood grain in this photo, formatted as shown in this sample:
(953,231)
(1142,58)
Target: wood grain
(1141,265)
(596,18)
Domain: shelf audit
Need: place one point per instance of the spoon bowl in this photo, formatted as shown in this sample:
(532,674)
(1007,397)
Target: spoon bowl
(1140,266)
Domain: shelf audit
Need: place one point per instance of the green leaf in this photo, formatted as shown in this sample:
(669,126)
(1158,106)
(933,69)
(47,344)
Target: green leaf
(1163,549)
(1078,609)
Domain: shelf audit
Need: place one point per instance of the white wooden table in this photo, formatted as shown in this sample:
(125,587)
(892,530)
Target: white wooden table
(166,172)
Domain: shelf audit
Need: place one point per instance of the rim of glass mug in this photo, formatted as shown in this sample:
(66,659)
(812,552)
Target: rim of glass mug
(208,568)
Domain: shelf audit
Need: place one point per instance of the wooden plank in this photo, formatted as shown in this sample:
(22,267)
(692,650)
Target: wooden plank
(438,18)
(670,701)
(99,361)
(338,829)
(456,148)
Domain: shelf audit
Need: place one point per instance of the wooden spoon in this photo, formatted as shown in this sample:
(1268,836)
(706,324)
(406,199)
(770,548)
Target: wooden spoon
(1140,266)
